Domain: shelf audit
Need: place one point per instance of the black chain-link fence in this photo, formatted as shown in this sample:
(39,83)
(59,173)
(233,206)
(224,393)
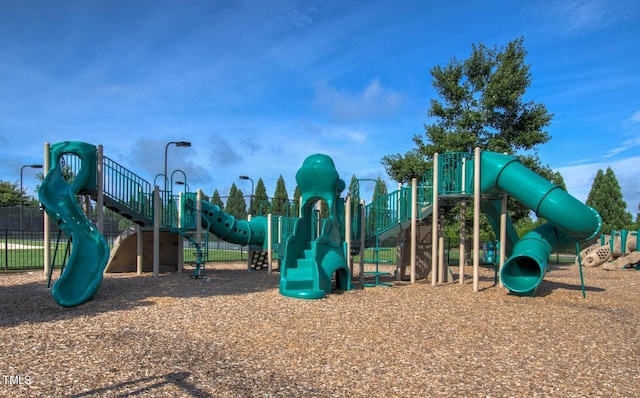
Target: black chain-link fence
(22,240)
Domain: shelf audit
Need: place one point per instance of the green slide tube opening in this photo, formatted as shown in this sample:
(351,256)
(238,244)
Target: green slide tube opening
(522,274)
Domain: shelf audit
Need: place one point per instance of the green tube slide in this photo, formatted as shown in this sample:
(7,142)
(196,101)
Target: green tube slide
(227,228)
(569,220)
(82,274)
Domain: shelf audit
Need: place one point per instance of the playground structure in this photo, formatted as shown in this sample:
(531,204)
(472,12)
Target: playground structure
(618,251)
(314,253)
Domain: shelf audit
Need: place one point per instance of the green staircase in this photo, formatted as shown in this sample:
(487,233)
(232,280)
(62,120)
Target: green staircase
(302,279)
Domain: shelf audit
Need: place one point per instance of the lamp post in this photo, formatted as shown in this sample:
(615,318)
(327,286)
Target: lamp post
(180,144)
(183,183)
(184,179)
(32,166)
(250,197)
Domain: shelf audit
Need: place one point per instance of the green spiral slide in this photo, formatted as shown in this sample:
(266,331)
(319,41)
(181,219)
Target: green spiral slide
(82,274)
(569,220)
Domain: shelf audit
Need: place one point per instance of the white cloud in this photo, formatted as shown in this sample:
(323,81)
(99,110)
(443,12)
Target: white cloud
(574,17)
(373,102)
(579,179)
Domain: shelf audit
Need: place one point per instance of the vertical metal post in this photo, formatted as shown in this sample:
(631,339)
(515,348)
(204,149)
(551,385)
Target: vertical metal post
(156,231)
(464,176)
(362,236)
(503,233)
(347,232)
(6,249)
(269,242)
(139,251)
(434,222)
(476,219)
(199,215)
(414,228)
(100,189)
(47,225)
(180,239)
(441,271)
(463,244)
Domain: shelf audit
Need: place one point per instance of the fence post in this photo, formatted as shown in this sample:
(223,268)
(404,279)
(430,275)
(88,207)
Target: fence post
(6,249)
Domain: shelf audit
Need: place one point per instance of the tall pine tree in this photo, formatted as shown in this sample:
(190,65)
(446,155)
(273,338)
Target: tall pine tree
(236,204)
(354,189)
(280,204)
(216,200)
(297,196)
(379,213)
(260,200)
(606,197)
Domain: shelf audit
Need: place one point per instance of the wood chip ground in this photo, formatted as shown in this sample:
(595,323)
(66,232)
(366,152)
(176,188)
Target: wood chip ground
(235,336)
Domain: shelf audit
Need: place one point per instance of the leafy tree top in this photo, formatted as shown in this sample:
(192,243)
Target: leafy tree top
(9,194)
(482,105)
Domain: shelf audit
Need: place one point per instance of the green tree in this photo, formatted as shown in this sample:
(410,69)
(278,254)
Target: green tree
(379,212)
(482,105)
(236,205)
(297,196)
(354,189)
(606,197)
(9,194)
(637,223)
(260,199)
(216,200)
(280,203)
(403,169)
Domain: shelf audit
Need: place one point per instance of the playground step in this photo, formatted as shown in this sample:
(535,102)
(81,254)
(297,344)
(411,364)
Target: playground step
(377,273)
(304,263)
(376,261)
(299,284)
(300,273)
(198,270)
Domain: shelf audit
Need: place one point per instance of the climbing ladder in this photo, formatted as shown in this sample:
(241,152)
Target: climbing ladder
(188,230)
(373,217)
(258,259)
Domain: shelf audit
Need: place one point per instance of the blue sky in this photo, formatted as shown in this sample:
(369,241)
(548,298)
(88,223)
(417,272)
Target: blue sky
(258,85)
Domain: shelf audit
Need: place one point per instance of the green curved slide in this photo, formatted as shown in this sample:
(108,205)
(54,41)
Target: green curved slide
(568,219)
(82,274)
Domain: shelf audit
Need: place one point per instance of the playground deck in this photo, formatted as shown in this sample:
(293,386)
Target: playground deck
(235,336)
